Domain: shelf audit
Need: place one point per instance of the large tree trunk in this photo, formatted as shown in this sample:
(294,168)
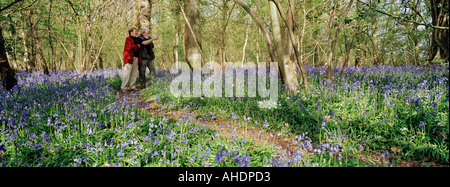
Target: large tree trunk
(281,42)
(192,32)
(137,14)
(440,37)
(294,46)
(145,11)
(6,72)
(37,42)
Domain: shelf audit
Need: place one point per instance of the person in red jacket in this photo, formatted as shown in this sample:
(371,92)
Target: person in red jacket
(131,59)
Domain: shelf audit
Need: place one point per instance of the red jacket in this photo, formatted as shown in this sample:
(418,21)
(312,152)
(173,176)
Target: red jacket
(129,50)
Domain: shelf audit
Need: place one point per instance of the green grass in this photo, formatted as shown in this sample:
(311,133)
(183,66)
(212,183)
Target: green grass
(371,116)
(382,117)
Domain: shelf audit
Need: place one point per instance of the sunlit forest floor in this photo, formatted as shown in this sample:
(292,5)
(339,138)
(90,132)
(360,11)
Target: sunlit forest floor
(371,116)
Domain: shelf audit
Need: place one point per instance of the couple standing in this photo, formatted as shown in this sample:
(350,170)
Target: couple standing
(137,56)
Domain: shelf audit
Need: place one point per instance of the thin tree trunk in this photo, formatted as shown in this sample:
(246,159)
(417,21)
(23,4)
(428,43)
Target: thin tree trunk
(245,45)
(223,32)
(375,55)
(334,39)
(261,27)
(224,20)
(331,44)
(258,50)
(49,30)
(25,50)
(176,30)
(358,41)
(38,43)
(348,49)
(316,57)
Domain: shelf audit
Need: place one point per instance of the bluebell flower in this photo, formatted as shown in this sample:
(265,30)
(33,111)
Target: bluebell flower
(77,160)
(234,116)
(422,124)
(155,154)
(266,124)
(219,157)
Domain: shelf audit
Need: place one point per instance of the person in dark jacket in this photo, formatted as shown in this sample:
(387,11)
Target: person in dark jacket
(148,57)
(131,58)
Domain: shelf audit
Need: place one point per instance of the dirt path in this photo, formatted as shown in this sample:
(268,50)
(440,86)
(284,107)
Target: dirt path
(225,127)
(230,129)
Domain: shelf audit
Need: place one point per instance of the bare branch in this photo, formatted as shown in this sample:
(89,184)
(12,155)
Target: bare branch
(1,10)
(403,19)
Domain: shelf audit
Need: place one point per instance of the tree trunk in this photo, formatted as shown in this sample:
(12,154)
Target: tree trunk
(415,37)
(90,45)
(245,46)
(137,14)
(334,39)
(316,55)
(281,42)
(376,59)
(52,64)
(223,33)
(25,51)
(38,43)
(100,62)
(6,72)
(348,49)
(258,50)
(192,33)
(145,13)
(331,45)
(224,19)
(29,46)
(440,37)
(294,46)
(176,31)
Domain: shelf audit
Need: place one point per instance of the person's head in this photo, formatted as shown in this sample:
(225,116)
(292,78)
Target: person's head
(133,32)
(145,33)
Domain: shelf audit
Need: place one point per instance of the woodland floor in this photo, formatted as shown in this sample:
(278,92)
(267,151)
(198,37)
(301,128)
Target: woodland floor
(225,127)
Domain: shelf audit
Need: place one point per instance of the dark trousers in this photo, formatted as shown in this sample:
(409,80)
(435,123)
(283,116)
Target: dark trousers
(150,64)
